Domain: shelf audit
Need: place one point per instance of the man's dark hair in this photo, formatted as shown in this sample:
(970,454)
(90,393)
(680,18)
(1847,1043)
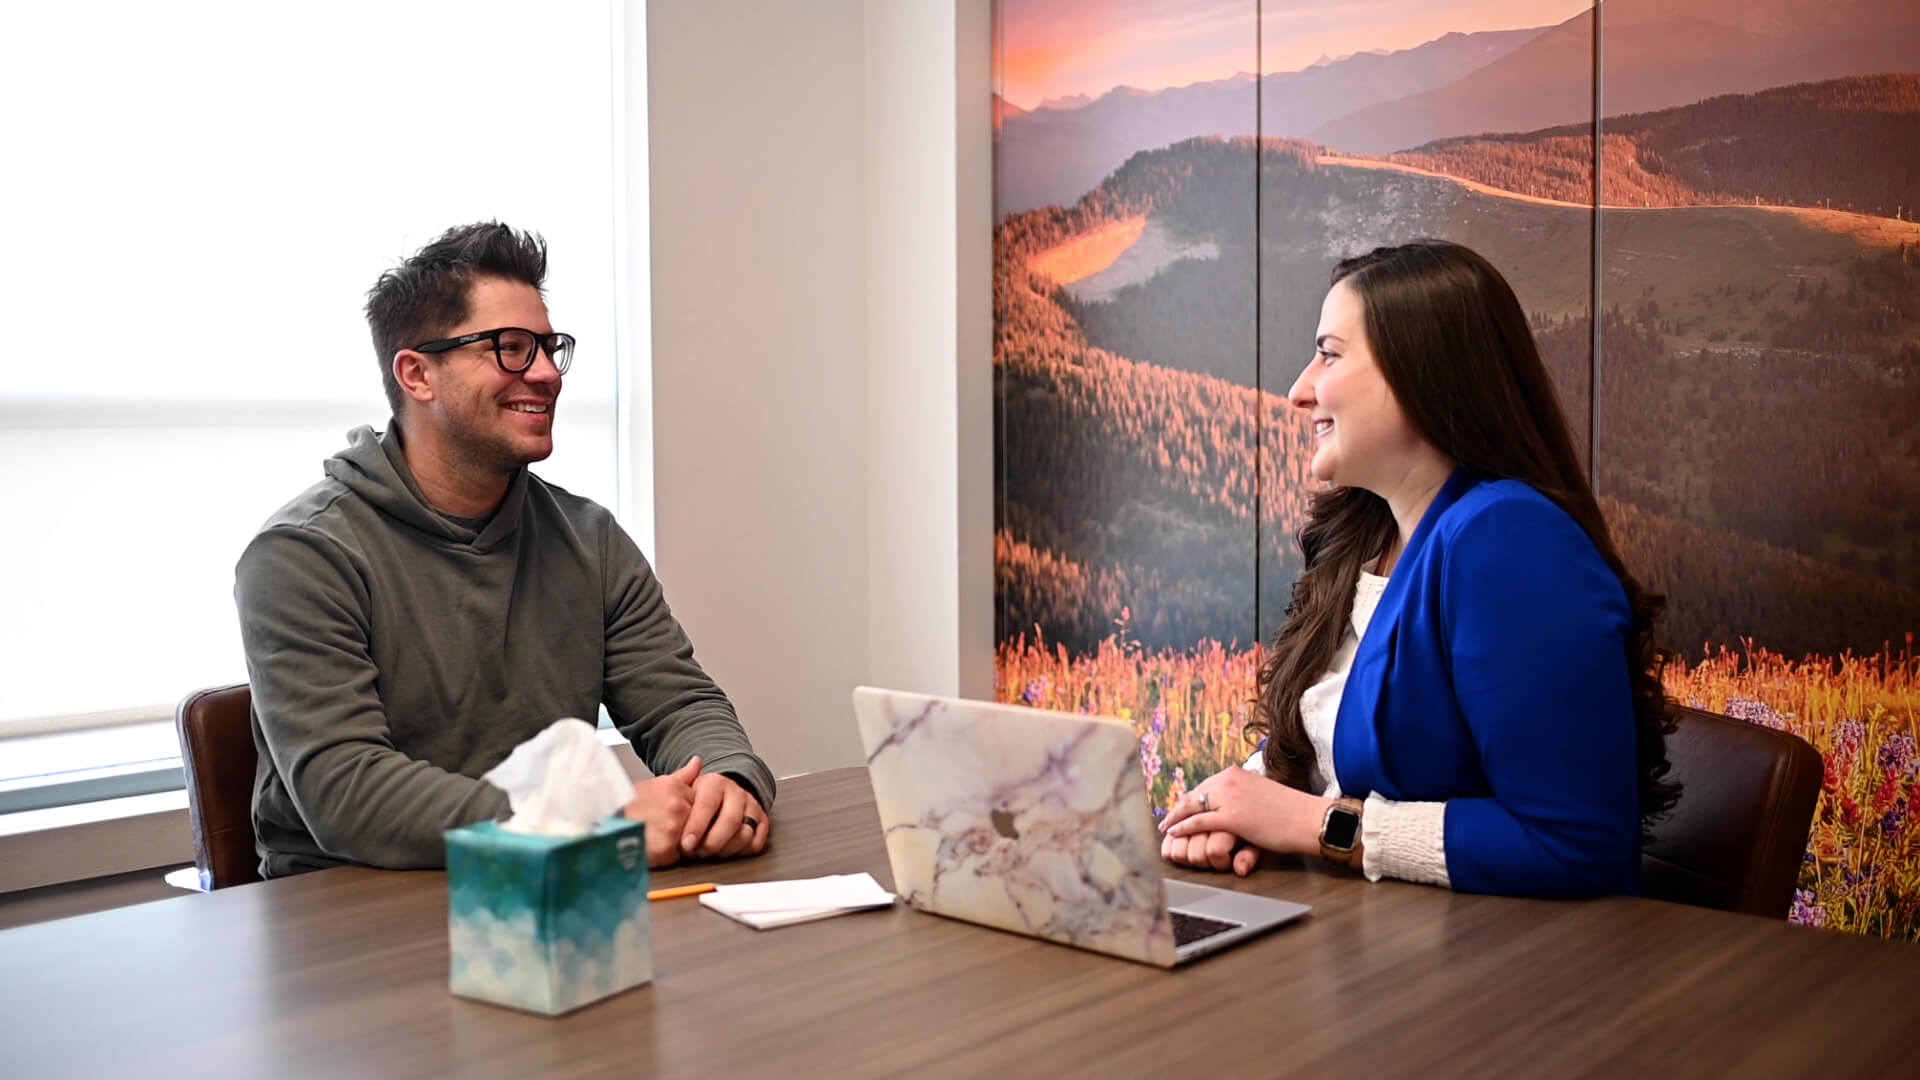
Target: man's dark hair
(426,295)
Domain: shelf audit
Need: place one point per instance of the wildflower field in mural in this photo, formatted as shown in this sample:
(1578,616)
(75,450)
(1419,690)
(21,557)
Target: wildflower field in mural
(1862,870)
(1190,709)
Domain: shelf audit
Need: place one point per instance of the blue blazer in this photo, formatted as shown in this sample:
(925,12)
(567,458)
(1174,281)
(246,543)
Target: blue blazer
(1493,677)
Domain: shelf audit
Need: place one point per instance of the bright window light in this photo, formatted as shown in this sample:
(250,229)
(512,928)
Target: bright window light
(201,194)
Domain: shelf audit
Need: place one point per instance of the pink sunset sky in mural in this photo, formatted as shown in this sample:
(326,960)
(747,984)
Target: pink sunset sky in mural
(1056,49)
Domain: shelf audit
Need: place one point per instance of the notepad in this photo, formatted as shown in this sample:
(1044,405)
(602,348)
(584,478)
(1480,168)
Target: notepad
(764,905)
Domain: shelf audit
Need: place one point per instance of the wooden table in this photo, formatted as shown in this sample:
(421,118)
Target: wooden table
(345,972)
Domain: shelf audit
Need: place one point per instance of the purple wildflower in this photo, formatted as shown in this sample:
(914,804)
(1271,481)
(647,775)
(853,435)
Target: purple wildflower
(1897,756)
(1755,712)
(1895,819)
(1848,735)
(1150,755)
(1806,910)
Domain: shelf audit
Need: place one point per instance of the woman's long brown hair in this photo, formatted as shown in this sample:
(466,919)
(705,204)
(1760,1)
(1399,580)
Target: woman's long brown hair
(1454,346)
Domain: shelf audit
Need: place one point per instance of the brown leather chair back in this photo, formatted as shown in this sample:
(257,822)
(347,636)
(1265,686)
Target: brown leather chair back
(216,750)
(1736,839)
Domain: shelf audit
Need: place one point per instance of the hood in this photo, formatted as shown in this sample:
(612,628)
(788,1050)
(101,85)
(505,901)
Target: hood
(374,467)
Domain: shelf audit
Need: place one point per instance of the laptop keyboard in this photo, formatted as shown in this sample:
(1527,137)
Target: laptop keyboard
(1188,929)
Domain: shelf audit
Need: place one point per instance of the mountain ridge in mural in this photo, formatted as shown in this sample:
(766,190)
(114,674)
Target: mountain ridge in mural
(1840,144)
(1054,156)
(1659,53)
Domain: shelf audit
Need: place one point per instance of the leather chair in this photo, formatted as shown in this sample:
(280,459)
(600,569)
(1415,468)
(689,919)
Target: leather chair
(217,752)
(1737,837)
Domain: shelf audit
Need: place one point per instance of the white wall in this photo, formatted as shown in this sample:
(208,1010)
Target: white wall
(820,336)
(973,359)
(929,360)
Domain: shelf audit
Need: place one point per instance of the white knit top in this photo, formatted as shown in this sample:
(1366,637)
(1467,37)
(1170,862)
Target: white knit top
(1401,839)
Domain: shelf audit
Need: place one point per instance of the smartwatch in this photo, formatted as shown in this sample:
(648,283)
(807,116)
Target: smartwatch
(1340,830)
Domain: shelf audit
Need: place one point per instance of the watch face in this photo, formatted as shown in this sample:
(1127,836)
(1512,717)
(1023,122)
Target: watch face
(1343,828)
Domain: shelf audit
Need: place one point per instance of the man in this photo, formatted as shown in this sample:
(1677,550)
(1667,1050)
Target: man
(432,604)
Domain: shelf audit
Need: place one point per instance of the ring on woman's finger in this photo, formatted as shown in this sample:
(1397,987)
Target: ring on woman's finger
(1206,801)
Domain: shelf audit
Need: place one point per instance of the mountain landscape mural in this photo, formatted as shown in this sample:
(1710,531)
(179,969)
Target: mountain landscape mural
(1752,336)
(1056,154)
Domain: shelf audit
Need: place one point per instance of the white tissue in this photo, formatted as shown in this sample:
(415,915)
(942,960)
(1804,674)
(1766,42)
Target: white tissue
(562,782)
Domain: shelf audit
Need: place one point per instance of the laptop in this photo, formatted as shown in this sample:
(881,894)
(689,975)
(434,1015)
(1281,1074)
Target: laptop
(1038,822)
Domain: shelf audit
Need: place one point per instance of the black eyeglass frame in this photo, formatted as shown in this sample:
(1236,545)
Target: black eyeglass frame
(562,357)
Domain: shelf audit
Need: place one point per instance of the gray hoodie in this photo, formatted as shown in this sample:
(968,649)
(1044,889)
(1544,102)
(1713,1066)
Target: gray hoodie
(396,654)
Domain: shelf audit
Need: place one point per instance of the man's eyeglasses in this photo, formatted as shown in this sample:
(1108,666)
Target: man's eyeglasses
(514,349)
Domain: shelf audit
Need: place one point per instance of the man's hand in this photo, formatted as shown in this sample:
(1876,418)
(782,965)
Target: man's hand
(724,820)
(663,803)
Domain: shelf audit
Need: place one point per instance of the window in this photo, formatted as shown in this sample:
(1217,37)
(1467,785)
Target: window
(202,192)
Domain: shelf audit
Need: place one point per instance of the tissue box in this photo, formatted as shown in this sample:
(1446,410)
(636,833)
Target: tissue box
(548,923)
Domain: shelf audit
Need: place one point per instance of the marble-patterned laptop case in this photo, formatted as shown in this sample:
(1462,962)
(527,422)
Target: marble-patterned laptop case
(1030,821)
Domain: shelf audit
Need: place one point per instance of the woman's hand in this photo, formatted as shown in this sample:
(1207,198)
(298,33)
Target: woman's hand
(1210,851)
(1247,806)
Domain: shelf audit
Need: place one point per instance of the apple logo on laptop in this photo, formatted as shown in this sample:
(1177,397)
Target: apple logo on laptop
(1003,824)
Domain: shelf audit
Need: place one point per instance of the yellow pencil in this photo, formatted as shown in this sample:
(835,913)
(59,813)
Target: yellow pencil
(681,890)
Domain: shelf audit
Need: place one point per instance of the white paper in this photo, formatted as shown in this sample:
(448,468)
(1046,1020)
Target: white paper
(836,890)
(767,904)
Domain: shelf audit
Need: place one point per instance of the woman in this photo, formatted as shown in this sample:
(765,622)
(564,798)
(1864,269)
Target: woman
(1466,689)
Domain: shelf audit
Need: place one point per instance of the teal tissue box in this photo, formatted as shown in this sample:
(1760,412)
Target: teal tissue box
(548,923)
